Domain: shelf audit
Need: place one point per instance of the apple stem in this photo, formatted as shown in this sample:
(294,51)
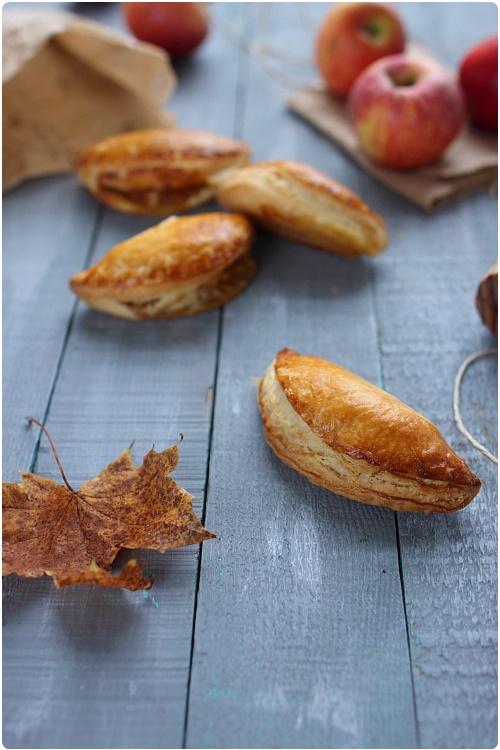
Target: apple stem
(371,30)
(54,451)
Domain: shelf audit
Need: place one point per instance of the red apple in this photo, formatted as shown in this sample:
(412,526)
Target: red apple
(352,36)
(176,27)
(479,81)
(406,111)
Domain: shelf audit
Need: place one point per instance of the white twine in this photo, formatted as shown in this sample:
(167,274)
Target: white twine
(273,60)
(456,402)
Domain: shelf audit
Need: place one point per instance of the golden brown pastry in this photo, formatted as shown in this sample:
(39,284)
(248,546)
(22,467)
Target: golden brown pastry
(487,299)
(355,439)
(303,205)
(179,267)
(157,172)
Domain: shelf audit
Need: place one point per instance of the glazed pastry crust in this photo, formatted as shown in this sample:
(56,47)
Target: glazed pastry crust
(179,267)
(157,171)
(487,299)
(303,205)
(357,440)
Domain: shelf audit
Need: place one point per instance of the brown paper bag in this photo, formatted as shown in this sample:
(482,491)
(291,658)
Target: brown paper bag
(69,82)
(470,163)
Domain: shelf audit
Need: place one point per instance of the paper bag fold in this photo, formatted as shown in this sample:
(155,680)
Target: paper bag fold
(69,82)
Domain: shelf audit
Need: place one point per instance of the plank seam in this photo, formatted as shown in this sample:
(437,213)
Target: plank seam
(396,522)
(408,640)
(203,515)
(67,334)
(239,109)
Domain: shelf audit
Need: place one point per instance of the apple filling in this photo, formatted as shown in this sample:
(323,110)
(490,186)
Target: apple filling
(196,295)
(152,198)
(149,189)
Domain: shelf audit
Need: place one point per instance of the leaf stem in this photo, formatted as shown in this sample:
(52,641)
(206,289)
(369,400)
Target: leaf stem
(54,451)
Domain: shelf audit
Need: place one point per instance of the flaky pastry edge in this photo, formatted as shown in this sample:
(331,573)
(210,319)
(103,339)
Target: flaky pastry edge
(293,441)
(175,299)
(300,211)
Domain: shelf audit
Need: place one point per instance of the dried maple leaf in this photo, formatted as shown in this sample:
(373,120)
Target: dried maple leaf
(129,577)
(74,535)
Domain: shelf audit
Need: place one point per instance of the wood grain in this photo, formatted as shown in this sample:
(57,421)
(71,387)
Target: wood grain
(304,586)
(37,305)
(449,564)
(320,622)
(270,687)
(86,667)
(428,324)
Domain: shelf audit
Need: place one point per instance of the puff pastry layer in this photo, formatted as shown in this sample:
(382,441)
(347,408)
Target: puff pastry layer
(179,267)
(157,172)
(357,440)
(303,205)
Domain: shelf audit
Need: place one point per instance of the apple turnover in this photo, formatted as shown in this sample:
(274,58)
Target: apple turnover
(179,267)
(157,172)
(303,205)
(357,440)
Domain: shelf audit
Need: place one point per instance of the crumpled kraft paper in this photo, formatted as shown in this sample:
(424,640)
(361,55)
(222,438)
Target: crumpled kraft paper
(68,82)
(470,163)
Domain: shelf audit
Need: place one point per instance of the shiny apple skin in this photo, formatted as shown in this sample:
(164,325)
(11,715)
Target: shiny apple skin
(479,81)
(404,124)
(344,48)
(178,28)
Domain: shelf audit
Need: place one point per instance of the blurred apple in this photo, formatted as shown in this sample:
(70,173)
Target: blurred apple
(479,81)
(176,27)
(405,111)
(352,36)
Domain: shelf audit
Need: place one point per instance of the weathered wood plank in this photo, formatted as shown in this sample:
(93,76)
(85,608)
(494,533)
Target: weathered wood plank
(428,325)
(421,294)
(94,668)
(39,255)
(425,291)
(300,634)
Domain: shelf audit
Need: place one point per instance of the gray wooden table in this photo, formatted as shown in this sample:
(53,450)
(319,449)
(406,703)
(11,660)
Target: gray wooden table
(311,621)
